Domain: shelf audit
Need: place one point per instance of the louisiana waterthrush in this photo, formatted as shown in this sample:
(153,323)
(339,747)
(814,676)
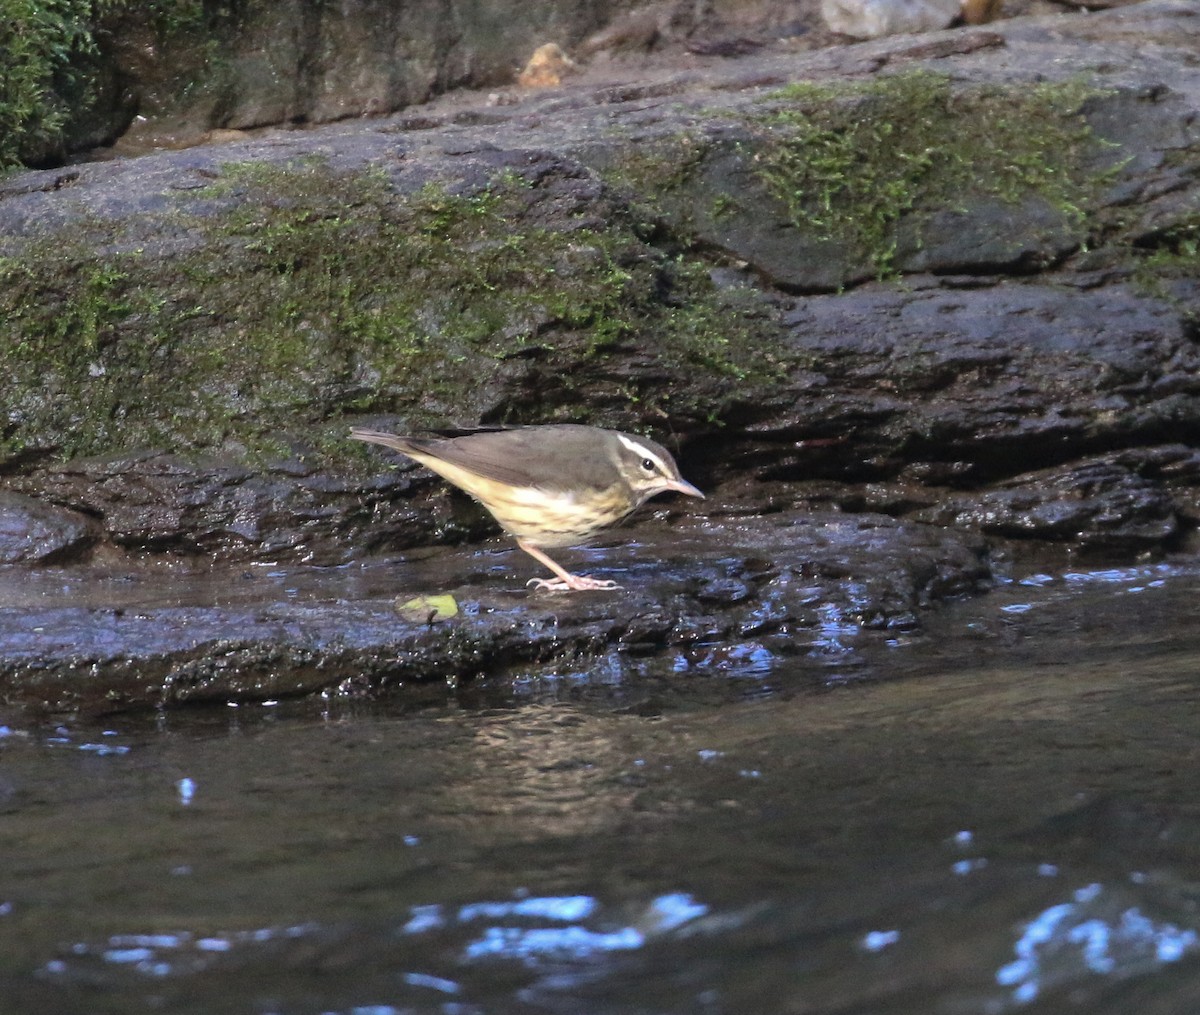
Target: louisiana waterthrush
(554,485)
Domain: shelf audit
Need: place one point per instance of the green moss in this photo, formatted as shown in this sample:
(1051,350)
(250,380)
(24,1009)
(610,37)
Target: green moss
(654,171)
(308,295)
(848,163)
(1174,257)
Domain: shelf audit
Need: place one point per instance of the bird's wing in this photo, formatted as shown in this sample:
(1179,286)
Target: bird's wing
(517,457)
(520,458)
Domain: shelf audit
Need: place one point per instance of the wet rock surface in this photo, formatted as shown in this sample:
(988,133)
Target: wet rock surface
(32,532)
(733,595)
(1022,371)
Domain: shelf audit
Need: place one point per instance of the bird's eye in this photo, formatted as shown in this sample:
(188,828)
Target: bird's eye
(648,464)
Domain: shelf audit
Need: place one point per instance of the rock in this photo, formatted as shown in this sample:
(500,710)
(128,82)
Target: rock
(873,19)
(33,531)
(294,63)
(151,501)
(635,30)
(706,595)
(954,374)
(875,405)
(981,378)
(1101,502)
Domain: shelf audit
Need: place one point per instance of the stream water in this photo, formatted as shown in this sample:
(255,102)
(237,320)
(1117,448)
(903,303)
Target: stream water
(999,815)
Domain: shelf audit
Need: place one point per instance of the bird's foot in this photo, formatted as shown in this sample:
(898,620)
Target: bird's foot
(572,583)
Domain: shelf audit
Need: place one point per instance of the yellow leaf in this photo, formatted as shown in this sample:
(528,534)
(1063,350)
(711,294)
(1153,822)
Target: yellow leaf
(427,609)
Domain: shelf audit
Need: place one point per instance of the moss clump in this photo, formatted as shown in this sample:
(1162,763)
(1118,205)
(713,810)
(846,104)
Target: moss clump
(1175,253)
(849,162)
(1168,265)
(309,294)
(655,172)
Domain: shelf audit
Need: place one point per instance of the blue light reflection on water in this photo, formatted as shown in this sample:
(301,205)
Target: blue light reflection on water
(878,940)
(1096,932)
(1139,578)
(164,954)
(529,930)
(565,908)
(510,935)
(424,918)
(438,983)
(1118,575)
(750,659)
(531,944)
(1122,580)
(835,629)
(1091,934)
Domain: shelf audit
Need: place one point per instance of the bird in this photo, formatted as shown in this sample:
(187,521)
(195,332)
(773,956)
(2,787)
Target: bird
(549,485)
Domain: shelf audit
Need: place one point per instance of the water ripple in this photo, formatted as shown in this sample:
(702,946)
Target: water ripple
(1094,933)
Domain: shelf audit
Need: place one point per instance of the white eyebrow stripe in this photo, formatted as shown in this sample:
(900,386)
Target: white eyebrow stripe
(644,452)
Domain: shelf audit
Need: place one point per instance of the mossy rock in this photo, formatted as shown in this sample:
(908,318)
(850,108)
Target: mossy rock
(822,185)
(285,298)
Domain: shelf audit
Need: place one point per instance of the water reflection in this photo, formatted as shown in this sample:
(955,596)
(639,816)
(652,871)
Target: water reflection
(1049,589)
(166,954)
(565,942)
(569,939)
(878,940)
(836,630)
(1097,932)
(536,932)
(959,841)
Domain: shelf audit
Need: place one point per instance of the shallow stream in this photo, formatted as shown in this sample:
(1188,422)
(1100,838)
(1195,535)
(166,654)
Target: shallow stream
(999,815)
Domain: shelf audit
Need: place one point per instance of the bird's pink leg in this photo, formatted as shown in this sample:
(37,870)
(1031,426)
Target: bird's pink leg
(565,582)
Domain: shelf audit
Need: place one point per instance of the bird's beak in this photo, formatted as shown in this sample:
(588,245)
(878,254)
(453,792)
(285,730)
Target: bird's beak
(683,486)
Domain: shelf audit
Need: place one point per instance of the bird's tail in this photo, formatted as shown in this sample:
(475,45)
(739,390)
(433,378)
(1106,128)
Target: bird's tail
(404,445)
